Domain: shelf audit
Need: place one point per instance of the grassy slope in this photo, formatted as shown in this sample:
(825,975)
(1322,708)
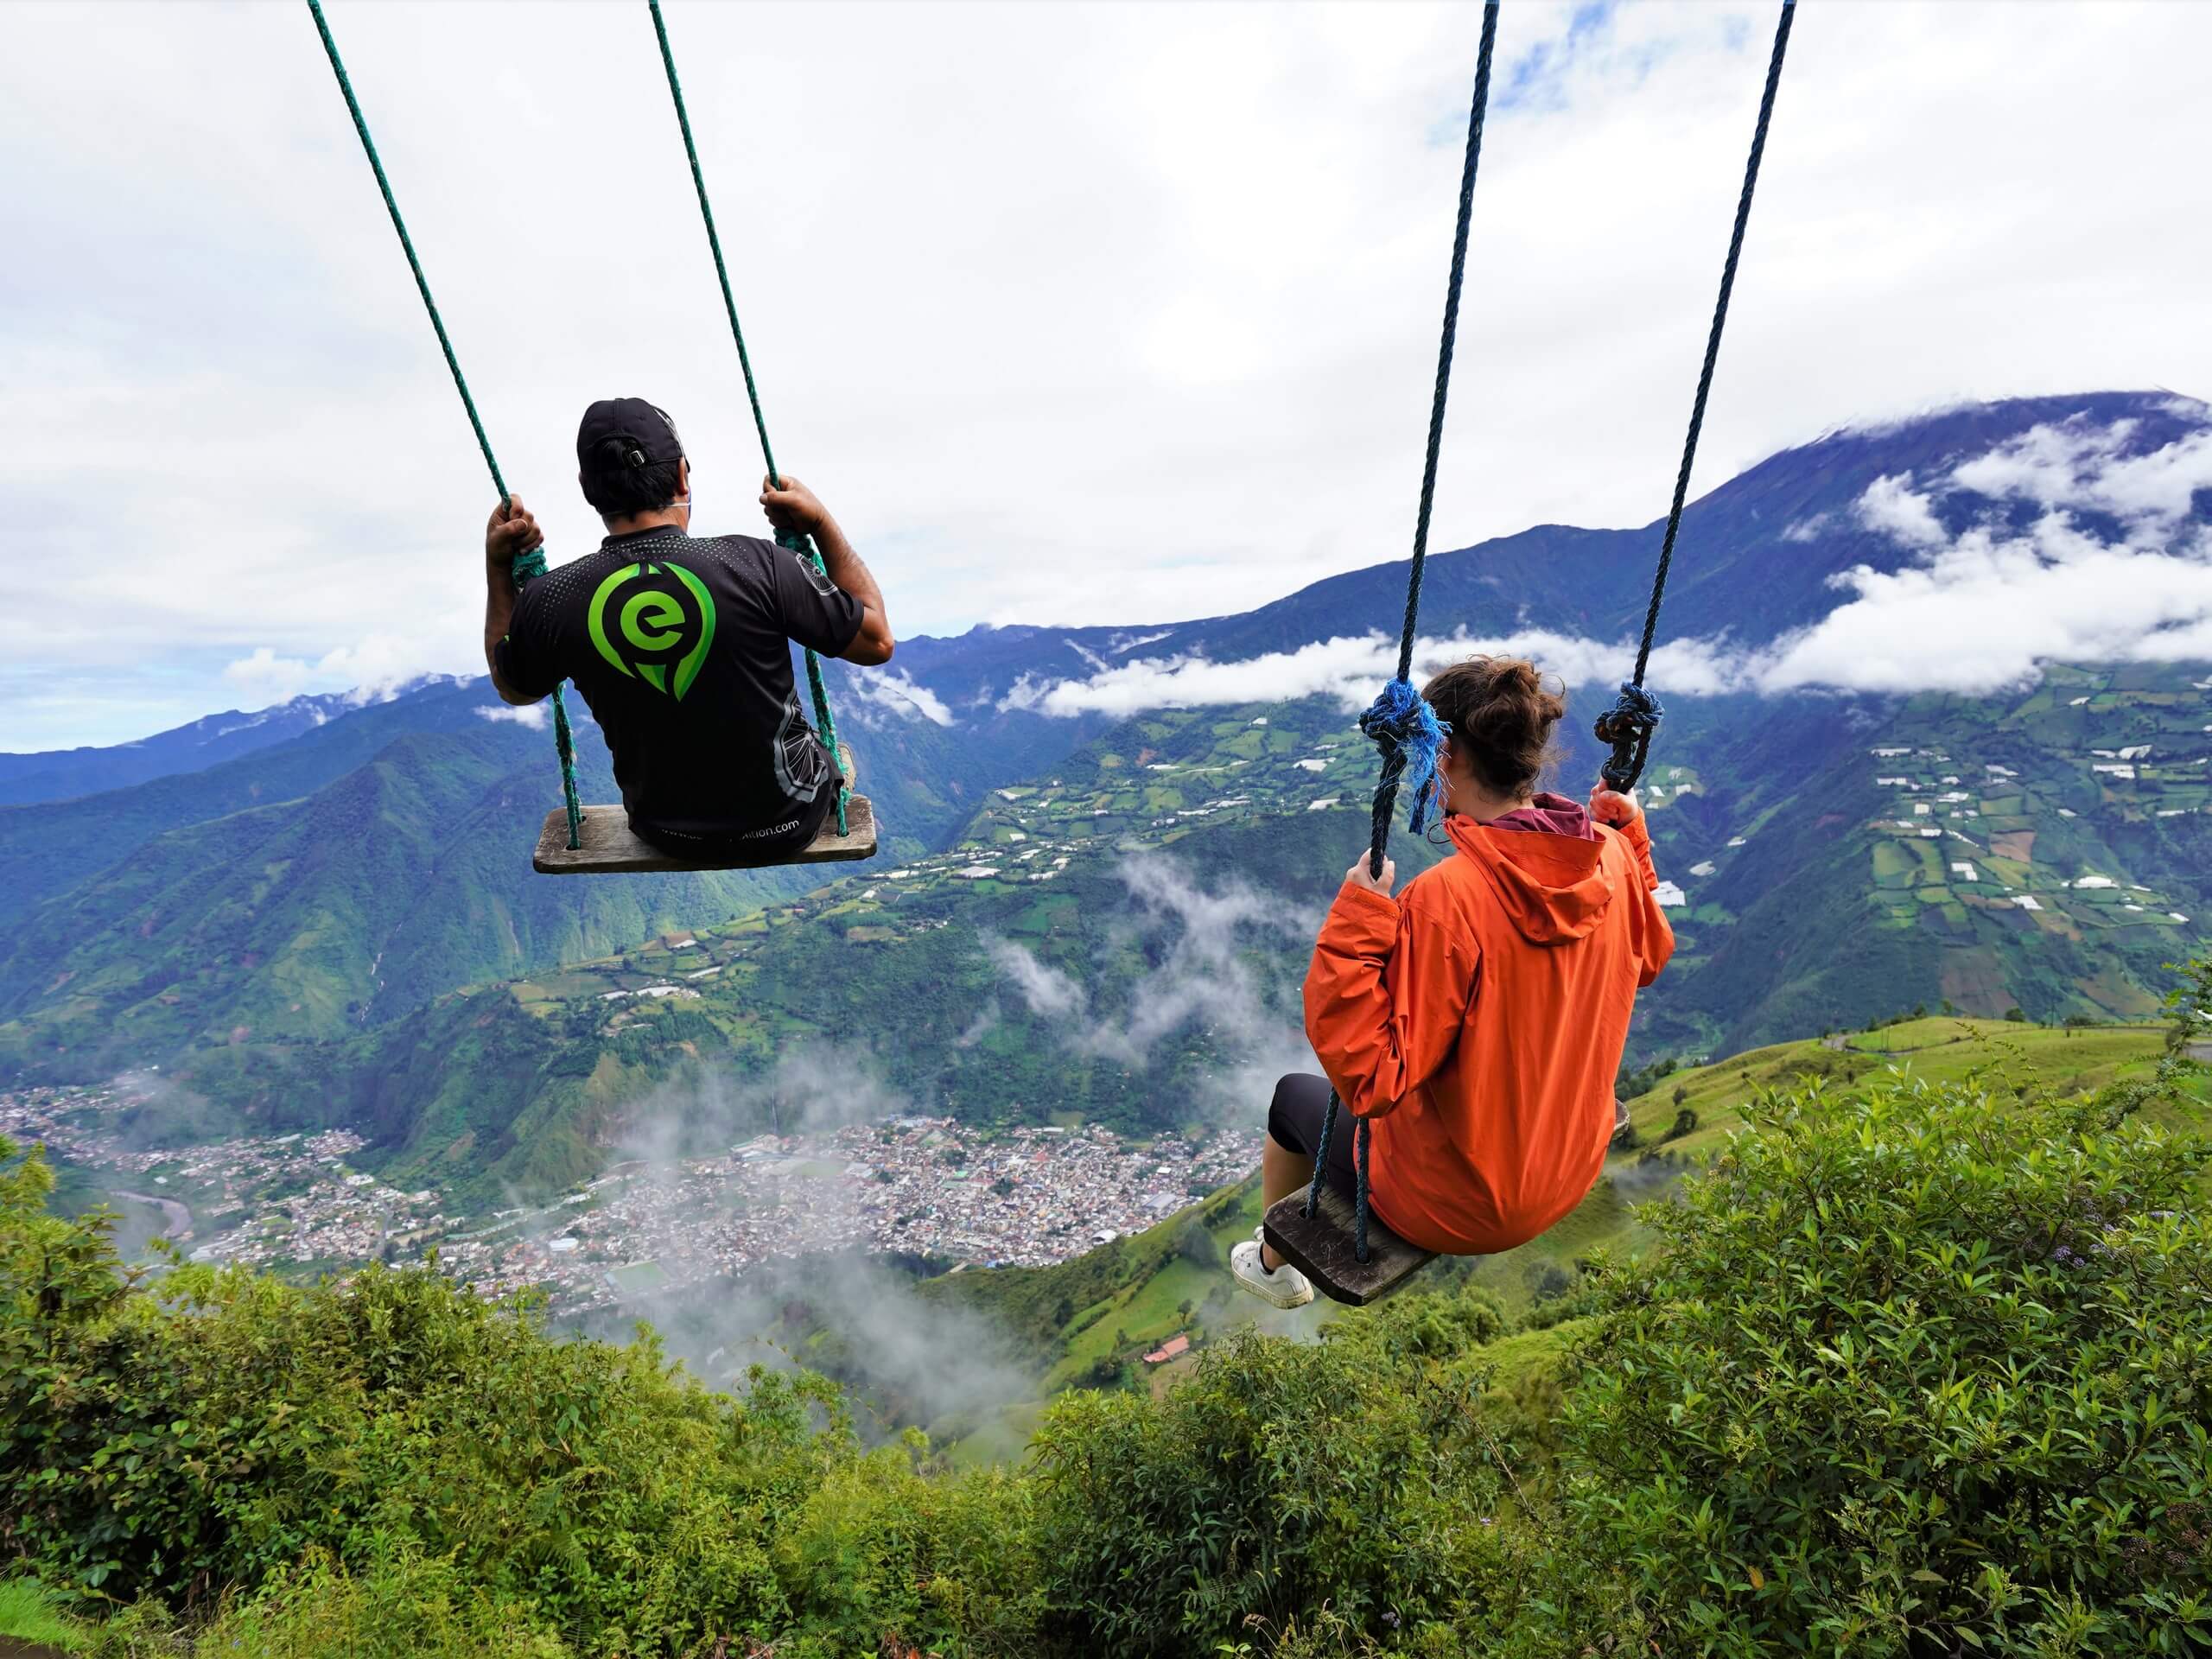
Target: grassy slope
(1838,897)
(1940,1050)
(29,1614)
(1937,1049)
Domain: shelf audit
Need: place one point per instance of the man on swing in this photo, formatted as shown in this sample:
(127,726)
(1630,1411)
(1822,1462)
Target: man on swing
(682,647)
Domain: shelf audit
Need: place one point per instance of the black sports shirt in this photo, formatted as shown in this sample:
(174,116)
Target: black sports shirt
(682,649)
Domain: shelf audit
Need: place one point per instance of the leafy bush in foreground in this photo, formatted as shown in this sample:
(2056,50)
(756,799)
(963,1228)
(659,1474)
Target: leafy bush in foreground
(1267,1483)
(1913,1372)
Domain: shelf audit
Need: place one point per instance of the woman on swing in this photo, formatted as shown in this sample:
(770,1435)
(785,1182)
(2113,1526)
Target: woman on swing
(1476,1020)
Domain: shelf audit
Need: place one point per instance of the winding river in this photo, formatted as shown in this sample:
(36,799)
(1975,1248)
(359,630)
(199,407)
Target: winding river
(179,1219)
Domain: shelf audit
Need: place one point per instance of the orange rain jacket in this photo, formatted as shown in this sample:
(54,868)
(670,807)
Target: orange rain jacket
(1477,1020)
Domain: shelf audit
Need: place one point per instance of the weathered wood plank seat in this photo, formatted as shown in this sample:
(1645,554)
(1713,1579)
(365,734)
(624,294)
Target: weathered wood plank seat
(1321,1248)
(608,846)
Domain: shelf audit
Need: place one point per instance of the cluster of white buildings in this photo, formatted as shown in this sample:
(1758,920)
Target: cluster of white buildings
(340,1220)
(1933,804)
(295,1190)
(923,1186)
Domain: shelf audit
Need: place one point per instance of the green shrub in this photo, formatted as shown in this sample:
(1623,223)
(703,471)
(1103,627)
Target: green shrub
(1278,1477)
(403,1607)
(2189,1005)
(1912,1372)
(1438,1325)
(880,1547)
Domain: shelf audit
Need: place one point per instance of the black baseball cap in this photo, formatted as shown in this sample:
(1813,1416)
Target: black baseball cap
(645,427)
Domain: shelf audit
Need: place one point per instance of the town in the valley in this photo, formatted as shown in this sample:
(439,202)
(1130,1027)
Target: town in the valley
(925,1188)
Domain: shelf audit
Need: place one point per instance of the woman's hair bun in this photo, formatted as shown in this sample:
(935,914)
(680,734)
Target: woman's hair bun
(1500,712)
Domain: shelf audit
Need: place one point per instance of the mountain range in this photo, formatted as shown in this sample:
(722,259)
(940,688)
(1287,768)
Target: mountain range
(1105,844)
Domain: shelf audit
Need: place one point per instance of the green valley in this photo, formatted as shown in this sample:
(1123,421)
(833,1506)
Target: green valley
(1115,940)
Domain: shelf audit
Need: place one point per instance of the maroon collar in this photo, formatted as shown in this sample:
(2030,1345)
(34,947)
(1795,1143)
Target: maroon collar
(1548,815)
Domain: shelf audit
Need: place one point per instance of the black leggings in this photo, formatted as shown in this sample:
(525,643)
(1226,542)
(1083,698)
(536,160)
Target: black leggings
(1294,1121)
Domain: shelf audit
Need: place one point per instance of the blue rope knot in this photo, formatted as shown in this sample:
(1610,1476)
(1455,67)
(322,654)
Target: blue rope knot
(1405,729)
(1627,726)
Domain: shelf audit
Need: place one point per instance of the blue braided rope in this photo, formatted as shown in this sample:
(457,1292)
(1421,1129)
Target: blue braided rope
(528,565)
(801,544)
(1400,723)
(1628,724)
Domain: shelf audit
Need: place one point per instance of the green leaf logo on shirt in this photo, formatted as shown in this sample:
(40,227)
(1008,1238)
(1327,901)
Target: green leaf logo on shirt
(647,620)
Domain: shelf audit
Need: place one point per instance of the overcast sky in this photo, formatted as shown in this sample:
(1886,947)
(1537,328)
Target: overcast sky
(1111,313)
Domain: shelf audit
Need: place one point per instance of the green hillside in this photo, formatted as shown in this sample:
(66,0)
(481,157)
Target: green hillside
(2010,1057)
(515,1085)
(1984,852)
(1992,853)
(1110,940)
(344,877)
(1090,1321)
(309,917)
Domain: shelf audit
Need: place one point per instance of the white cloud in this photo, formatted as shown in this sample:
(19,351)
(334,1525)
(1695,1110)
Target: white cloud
(1892,508)
(1352,668)
(264,677)
(532,714)
(1987,608)
(1199,937)
(2082,465)
(1043,987)
(896,692)
(1174,270)
(373,670)
(1971,613)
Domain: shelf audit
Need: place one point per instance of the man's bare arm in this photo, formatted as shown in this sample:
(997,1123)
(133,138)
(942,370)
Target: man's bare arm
(795,507)
(511,533)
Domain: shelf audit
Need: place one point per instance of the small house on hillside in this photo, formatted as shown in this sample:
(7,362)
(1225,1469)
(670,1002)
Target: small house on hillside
(1174,1348)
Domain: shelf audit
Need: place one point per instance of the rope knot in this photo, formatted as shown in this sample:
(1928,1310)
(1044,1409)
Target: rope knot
(528,567)
(1627,727)
(1405,729)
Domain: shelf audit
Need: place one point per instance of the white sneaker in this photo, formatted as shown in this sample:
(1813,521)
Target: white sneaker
(1285,1287)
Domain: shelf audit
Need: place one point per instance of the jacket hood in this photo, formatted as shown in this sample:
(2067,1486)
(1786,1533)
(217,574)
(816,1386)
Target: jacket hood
(1554,887)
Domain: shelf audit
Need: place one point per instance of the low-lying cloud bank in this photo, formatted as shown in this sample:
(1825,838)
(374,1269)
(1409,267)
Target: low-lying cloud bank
(1974,610)
(1200,940)
(1351,667)
(1983,608)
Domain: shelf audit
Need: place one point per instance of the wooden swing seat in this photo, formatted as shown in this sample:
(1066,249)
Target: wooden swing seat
(608,846)
(1321,1246)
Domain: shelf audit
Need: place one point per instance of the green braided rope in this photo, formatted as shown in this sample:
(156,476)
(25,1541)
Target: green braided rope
(801,544)
(528,565)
